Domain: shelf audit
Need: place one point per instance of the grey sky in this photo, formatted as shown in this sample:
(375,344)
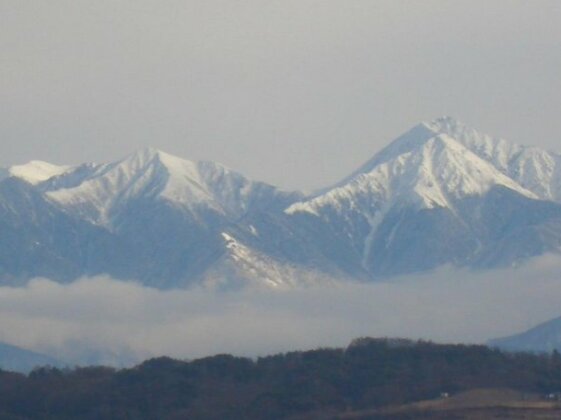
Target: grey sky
(296,93)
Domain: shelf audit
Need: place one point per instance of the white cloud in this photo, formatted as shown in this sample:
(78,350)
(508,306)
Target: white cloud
(104,320)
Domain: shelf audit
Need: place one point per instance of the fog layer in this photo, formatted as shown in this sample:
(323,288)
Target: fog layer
(101,320)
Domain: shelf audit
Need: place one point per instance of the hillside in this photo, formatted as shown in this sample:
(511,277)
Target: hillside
(545,337)
(391,378)
(476,404)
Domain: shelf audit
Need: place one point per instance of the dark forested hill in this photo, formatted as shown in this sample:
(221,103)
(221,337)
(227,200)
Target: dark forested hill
(369,374)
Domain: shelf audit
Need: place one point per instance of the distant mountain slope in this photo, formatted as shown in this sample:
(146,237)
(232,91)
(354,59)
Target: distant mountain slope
(442,193)
(151,217)
(16,359)
(40,239)
(544,337)
(535,169)
(431,198)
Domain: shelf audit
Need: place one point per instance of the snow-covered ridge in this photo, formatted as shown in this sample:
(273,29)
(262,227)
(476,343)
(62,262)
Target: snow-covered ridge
(98,193)
(147,173)
(431,165)
(427,167)
(379,211)
(429,198)
(533,168)
(35,171)
(248,266)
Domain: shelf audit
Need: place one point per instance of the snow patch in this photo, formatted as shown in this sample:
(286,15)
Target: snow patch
(36,171)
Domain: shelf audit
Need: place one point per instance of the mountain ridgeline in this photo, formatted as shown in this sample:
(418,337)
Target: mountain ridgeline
(442,193)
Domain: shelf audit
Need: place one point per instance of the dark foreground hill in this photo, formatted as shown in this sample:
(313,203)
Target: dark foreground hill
(368,377)
(483,403)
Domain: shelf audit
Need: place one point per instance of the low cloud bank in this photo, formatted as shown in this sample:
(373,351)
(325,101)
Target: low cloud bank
(100,320)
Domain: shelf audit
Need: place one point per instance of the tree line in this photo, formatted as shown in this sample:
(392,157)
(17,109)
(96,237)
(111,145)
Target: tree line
(369,373)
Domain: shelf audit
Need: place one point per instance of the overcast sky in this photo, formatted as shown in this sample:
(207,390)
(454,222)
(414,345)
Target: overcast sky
(296,93)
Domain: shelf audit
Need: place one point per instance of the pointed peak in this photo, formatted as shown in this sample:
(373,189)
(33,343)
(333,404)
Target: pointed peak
(445,120)
(414,138)
(424,131)
(149,155)
(146,153)
(449,125)
(488,147)
(178,165)
(444,132)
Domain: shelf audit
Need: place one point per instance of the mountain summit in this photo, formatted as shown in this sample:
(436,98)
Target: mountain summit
(535,169)
(441,193)
(432,165)
(100,193)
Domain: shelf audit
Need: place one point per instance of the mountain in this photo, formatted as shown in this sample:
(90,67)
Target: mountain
(16,359)
(545,337)
(535,169)
(102,194)
(150,217)
(33,172)
(40,239)
(439,194)
(442,193)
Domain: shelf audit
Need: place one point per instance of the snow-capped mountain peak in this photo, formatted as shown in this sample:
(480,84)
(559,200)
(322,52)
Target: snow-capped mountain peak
(432,197)
(424,167)
(535,169)
(495,150)
(442,193)
(98,193)
(35,171)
